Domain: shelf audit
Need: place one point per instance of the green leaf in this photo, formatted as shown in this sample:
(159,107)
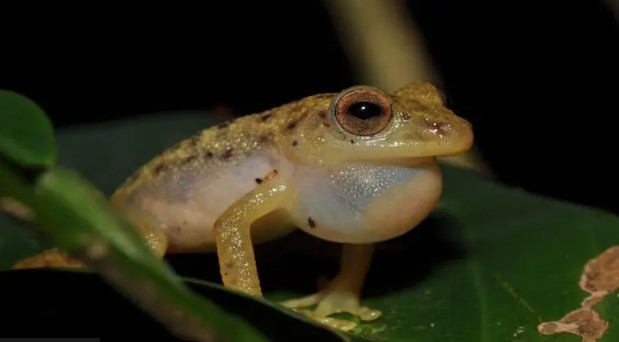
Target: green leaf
(490,264)
(26,134)
(91,308)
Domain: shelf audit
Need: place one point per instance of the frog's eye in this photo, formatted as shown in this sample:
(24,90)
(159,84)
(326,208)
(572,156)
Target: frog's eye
(363,111)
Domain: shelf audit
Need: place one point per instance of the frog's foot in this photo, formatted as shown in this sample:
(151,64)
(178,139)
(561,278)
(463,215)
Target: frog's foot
(51,258)
(332,300)
(343,293)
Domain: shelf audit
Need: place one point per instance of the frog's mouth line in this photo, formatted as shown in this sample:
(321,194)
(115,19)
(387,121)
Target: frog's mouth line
(397,161)
(411,162)
(405,157)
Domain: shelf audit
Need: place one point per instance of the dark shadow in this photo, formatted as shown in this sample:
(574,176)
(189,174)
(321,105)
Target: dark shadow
(291,263)
(403,262)
(296,262)
(43,303)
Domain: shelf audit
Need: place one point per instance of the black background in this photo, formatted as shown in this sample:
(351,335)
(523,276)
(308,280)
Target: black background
(537,79)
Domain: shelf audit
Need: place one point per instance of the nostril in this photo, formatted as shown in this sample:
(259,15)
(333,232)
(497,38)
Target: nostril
(439,128)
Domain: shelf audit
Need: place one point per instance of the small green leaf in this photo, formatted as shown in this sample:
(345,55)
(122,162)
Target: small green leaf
(26,134)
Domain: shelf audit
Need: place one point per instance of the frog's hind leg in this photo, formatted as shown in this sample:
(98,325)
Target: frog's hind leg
(49,258)
(146,226)
(155,239)
(343,293)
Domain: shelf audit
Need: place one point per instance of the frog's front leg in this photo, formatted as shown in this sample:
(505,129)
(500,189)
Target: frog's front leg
(233,239)
(343,293)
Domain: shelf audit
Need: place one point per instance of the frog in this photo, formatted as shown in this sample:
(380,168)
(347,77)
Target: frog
(356,167)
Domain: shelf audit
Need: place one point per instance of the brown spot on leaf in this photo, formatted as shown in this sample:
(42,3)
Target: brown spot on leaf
(602,273)
(584,323)
(600,277)
(311,223)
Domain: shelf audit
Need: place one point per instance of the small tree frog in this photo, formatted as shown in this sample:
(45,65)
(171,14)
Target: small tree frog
(356,167)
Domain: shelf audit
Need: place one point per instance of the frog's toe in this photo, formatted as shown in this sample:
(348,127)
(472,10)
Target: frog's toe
(333,302)
(336,323)
(344,302)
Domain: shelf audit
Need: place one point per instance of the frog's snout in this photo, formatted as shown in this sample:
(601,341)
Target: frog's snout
(451,136)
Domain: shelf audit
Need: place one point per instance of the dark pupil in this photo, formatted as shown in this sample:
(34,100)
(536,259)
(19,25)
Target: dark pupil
(364,110)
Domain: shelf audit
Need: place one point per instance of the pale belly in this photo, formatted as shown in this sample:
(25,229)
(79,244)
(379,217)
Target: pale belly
(186,205)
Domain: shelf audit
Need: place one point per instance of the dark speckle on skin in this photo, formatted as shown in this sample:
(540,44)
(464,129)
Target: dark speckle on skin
(405,117)
(311,223)
(258,180)
(352,141)
(188,159)
(134,177)
(265,117)
(295,143)
(157,169)
(194,141)
(227,153)
(322,114)
(291,125)
(209,154)
(264,138)
(175,147)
